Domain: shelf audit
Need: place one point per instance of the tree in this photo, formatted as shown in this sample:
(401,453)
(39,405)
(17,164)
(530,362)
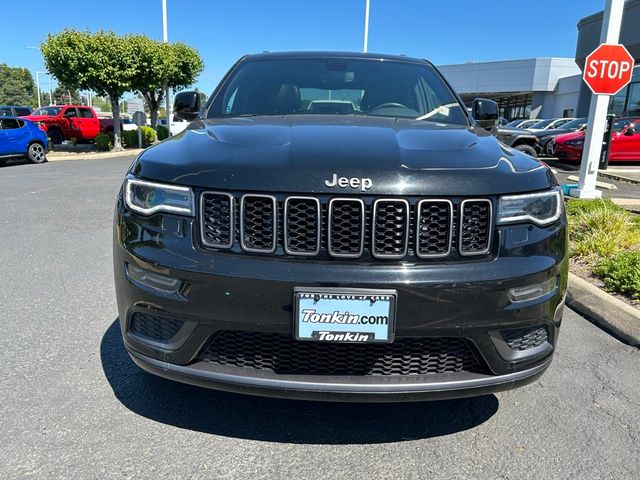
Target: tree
(66,95)
(160,65)
(16,86)
(101,103)
(101,61)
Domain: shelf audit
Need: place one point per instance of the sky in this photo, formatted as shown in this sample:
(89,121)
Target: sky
(442,31)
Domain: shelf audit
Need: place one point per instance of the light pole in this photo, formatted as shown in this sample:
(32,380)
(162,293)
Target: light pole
(38,73)
(366,26)
(165,39)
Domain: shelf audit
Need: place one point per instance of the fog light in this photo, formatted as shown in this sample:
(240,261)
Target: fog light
(155,281)
(531,292)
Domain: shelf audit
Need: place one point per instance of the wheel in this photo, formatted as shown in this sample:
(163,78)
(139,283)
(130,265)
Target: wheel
(56,137)
(528,149)
(37,153)
(549,148)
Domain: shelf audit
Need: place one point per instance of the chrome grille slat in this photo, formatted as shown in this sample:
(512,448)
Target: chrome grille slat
(390,228)
(302,226)
(217,219)
(434,231)
(346,226)
(475,226)
(258,223)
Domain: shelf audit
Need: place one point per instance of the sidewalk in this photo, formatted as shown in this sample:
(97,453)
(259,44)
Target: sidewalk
(59,156)
(627,175)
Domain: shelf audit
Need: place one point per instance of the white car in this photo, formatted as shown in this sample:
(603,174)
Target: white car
(177,124)
(549,124)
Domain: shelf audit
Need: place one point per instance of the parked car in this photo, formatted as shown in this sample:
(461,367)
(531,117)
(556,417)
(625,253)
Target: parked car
(20,137)
(518,138)
(549,124)
(177,124)
(14,111)
(522,123)
(625,142)
(398,253)
(545,145)
(64,122)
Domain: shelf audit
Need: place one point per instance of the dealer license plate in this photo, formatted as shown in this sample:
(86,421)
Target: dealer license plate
(344,315)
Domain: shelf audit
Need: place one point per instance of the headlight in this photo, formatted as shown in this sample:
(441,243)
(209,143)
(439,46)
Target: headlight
(149,197)
(540,208)
(575,142)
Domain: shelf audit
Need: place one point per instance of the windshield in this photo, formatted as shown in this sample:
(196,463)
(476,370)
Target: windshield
(337,86)
(528,123)
(542,124)
(573,124)
(48,111)
(618,125)
(515,123)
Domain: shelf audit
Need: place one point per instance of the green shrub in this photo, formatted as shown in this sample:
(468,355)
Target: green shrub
(148,136)
(162,131)
(130,137)
(600,228)
(621,273)
(103,142)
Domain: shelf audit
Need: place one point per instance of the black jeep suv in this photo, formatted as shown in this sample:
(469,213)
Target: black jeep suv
(386,248)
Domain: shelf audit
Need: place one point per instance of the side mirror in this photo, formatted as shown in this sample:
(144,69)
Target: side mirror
(631,130)
(485,112)
(186,105)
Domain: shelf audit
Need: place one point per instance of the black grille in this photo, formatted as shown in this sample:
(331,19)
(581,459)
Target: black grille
(302,227)
(258,223)
(386,228)
(525,338)
(346,228)
(434,228)
(160,329)
(390,228)
(282,355)
(217,219)
(475,227)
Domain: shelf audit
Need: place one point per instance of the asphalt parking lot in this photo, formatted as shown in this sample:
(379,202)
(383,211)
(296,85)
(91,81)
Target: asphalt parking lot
(74,405)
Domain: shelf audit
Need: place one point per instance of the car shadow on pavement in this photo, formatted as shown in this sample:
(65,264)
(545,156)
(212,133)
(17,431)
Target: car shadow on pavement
(276,420)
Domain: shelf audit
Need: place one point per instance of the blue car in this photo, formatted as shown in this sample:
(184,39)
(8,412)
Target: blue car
(22,138)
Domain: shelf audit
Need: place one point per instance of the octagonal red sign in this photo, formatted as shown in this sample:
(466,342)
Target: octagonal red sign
(607,69)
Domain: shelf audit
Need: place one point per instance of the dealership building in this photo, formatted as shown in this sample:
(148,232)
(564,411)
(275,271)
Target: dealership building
(550,87)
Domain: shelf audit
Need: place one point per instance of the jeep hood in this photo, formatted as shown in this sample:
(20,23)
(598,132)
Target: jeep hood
(297,153)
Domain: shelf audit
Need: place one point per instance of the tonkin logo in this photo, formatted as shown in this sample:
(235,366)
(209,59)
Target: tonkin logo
(363,184)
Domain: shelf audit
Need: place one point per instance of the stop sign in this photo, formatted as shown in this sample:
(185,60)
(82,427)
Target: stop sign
(607,69)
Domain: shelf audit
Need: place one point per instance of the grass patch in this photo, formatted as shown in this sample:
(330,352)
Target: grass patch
(599,229)
(607,238)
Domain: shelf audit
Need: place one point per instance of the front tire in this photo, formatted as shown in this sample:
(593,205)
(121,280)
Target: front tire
(37,153)
(528,149)
(56,137)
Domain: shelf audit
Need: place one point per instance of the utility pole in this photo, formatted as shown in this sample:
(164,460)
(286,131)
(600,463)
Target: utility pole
(165,39)
(366,26)
(38,87)
(610,34)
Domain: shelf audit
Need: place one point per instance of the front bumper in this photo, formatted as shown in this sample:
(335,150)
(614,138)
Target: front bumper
(465,299)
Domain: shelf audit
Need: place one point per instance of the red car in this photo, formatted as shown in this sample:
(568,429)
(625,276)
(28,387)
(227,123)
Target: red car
(64,122)
(625,142)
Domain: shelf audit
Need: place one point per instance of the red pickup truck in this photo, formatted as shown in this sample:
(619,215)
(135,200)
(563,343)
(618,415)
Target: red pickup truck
(64,122)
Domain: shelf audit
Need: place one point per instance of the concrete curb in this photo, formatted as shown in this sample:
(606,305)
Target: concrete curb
(604,309)
(54,157)
(618,177)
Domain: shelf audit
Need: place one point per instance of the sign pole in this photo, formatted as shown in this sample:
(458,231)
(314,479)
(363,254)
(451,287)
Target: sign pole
(611,23)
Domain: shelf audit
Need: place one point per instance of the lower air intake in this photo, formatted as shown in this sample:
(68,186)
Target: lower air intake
(282,354)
